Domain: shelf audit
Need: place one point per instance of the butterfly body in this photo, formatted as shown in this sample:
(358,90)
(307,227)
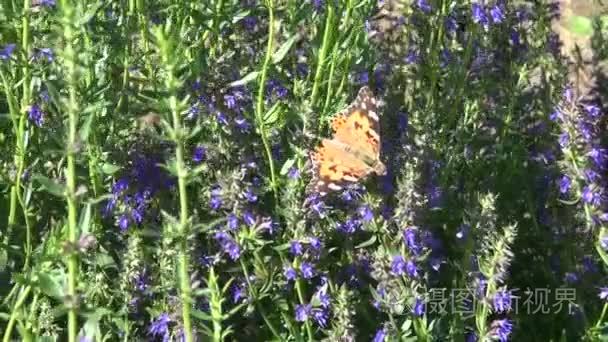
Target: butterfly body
(354,151)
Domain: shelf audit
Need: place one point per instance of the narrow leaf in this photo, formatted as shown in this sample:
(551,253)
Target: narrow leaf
(50,186)
(278,56)
(85,129)
(250,77)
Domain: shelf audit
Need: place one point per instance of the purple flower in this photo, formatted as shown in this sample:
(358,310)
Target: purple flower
(315,243)
(398,265)
(238,292)
(249,22)
(123,222)
(7,51)
(501,329)
(307,270)
(497,13)
(564,139)
(591,196)
(242,124)
(589,264)
(290,273)
(160,327)
(36,115)
(409,237)
(303,312)
(365,213)
(419,307)
(295,248)
(249,218)
(450,25)
(230,101)
(320,316)
(564,184)
(221,118)
(193,111)
(45,53)
(603,293)
(323,297)
(446,57)
(411,269)
(598,155)
(317,205)
(413,57)
(593,111)
(137,214)
(514,38)
(380,335)
(250,196)
(120,186)
(424,6)
(232,221)
(349,226)
(591,176)
(293,173)
(216,200)
(199,154)
(586,131)
(228,245)
(502,301)
(479,15)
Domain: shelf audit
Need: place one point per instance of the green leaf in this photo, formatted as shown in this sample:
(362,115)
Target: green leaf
(4,316)
(109,169)
(288,164)
(367,243)
(104,260)
(85,129)
(51,284)
(272,116)
(201,315)
(240,15)
(278,56)
(580,25)
(407,324)
(250,77)
(85,220)
(49,185)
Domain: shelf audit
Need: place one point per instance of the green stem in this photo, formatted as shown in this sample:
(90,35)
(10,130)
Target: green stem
(322,54)
(215,304)
(13,318)
(73,109)
(171,85)
(260,99)
(25,101)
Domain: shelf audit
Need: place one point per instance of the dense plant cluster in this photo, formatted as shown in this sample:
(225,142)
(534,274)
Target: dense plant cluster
(154,163)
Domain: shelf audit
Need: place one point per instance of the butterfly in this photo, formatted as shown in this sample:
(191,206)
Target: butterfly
(354,151)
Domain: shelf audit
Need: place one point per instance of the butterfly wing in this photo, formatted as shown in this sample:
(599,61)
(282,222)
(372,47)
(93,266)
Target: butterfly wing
(358,125)
(333,168)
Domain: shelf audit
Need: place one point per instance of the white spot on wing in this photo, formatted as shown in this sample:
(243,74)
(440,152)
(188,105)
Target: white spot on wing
(334,187)
(350,179)
(373,115)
